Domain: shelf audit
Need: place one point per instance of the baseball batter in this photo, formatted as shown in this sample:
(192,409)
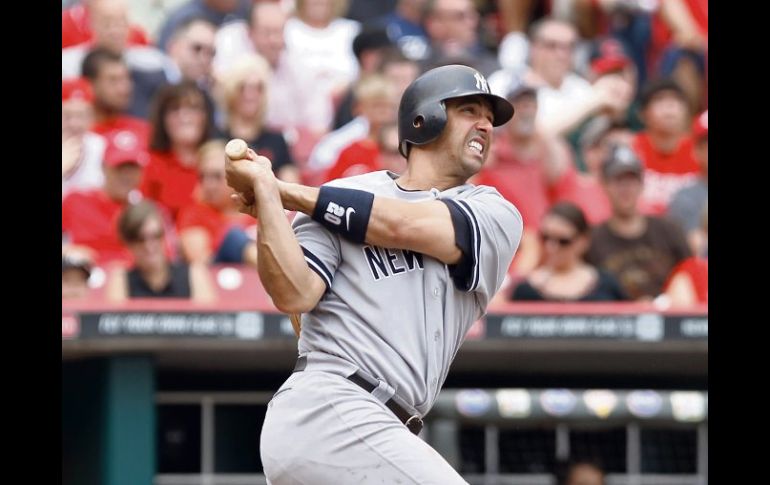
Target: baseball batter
(389,271)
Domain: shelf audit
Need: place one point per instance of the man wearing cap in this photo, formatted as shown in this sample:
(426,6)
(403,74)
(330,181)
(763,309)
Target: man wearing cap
(639,250)
(89,216)
(82,150)
(665,146)
(688,204)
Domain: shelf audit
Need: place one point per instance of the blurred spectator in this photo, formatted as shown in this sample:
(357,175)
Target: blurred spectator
(580,472)
(680,45)
(152,14)
(76,26)
(263,34)
(689,203)
(367,10)
(375,105)
(191,48)
(376,101)
(399,69)
(523,166)
(218,12)
(181,123)
(153,275)
(212,229)
(81,150)
(626,21)
(75,271)
(452,27)
(688,283)
(404,28)
(388,156)
(148,66)
(369,47)
(243,101)
(640,251)
(89,216)
(319,48)
(113,88)
(665,146)
(584,188)
(563,274)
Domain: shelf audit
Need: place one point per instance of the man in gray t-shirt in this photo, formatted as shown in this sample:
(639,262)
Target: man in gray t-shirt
(390,272)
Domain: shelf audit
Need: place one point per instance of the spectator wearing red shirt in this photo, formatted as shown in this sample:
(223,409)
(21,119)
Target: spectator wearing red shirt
(665,145)
(375,100)
(689,203)
(89,217)
(82,151)
(212,229)
(688,283)
(149,67)
(525,163)
(76,26)
(113,88)
(584,188)
(181,123)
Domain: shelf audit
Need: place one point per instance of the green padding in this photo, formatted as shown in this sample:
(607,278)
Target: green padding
(130,421)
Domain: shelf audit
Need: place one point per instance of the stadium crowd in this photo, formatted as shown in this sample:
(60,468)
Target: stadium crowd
(606,157)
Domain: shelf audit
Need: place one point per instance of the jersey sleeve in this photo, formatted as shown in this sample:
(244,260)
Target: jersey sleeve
(488,231)
(320,247)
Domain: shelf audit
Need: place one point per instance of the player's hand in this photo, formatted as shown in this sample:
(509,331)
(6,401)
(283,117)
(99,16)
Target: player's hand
(242,174)
(246,204)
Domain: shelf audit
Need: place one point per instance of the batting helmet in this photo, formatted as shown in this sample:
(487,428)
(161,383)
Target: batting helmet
(422,114)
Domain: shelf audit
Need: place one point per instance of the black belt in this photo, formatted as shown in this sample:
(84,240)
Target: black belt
(412,422)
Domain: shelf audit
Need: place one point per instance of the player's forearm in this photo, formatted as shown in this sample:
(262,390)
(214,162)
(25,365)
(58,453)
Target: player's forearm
(424,227)
(280,261)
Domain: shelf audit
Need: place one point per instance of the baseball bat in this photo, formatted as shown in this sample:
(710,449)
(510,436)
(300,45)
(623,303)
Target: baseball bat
(236,149)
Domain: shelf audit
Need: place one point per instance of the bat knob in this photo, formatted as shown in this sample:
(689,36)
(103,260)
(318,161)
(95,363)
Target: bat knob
(236,149)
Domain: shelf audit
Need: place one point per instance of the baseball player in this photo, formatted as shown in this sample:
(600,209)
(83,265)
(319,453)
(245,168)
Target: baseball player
(390,272)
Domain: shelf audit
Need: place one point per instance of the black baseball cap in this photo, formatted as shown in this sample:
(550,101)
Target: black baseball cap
(620,160)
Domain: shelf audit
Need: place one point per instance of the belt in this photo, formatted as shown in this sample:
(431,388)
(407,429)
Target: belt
(412,422)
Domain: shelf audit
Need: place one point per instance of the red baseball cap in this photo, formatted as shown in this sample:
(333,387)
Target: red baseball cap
(76,88)
(608,56)
(700,127)
(124,147)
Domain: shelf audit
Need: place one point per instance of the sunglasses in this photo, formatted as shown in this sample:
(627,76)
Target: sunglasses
(198,48)
(561,241)
(142,238)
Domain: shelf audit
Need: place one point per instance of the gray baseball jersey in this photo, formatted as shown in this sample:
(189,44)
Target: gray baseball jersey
(399,315)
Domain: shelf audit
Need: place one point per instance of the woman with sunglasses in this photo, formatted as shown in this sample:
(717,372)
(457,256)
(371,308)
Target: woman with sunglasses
(563,275)
(153,275)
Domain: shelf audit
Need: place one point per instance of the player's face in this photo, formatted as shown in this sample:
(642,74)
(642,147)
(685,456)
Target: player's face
(562,245)
(468,133)
(624,191)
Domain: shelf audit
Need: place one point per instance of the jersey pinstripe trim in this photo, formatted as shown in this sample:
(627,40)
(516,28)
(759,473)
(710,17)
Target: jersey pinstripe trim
(316,265)
(476,242)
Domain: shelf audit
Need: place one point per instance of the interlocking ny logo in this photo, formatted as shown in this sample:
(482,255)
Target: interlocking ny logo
(481,83)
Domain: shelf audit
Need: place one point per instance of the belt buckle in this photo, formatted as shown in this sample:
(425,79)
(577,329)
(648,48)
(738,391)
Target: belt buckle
(414,424)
